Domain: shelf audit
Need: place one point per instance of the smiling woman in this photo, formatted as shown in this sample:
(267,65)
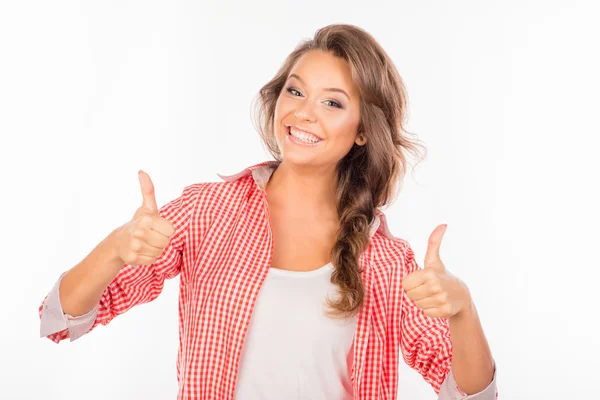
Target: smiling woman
(331,96)
(292,286)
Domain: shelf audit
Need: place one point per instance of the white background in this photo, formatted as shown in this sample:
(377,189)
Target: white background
(505,95)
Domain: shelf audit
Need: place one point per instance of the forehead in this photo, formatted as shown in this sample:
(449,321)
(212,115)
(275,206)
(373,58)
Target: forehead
(319,69)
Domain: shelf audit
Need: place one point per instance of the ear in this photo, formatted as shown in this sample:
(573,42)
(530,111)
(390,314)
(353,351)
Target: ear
(360,139)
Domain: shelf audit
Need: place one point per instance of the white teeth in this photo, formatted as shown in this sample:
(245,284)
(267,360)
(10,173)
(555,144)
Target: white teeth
(305,137)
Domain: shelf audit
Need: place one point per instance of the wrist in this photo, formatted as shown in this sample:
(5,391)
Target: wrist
(468,310)
(110,245)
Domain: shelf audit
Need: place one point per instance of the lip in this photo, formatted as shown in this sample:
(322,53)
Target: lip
(287,128)
(299,142)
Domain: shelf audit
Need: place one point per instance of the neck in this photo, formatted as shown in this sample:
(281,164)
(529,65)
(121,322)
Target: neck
(310,190)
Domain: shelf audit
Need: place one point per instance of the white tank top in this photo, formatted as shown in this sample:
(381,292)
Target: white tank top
(292,350)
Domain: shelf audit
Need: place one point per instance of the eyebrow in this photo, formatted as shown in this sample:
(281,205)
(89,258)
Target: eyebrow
(328,89)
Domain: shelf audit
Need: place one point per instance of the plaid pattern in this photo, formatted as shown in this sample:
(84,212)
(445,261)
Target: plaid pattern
(222,249)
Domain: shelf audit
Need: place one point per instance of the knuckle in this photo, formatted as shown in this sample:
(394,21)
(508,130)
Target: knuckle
(442,297)
(170,228)
(429,274)
(146,220)
(136,245)
(138,232)
(131,258)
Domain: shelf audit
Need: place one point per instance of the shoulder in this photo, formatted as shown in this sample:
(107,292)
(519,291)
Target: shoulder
(389,250)
(231,191)
(214,195)
(390,254)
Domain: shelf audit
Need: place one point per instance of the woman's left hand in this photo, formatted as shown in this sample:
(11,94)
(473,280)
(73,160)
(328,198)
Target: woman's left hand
(433,288)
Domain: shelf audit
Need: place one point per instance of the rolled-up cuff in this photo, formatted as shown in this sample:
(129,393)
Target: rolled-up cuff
(54,320)
(450,390)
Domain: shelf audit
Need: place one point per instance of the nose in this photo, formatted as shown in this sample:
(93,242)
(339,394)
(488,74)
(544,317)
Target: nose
(304,113)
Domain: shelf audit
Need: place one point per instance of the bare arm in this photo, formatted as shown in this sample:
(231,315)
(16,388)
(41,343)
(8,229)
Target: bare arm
(82,286)
(472,362)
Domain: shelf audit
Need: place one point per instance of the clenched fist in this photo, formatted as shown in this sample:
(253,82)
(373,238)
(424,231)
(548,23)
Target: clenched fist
(141,240)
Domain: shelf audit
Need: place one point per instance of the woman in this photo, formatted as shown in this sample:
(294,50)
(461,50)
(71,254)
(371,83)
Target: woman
(291,284)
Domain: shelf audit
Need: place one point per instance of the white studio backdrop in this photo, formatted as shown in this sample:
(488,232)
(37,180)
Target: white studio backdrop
(505,95)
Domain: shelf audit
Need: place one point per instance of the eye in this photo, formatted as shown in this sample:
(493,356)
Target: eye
(333,103)
(293,91)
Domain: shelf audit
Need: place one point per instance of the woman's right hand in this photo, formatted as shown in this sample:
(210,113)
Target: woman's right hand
(141,240)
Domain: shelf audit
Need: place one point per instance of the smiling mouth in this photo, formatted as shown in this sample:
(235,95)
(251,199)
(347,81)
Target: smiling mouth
(302,135)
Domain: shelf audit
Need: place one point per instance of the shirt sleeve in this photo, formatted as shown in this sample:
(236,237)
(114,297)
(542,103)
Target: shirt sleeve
(54,320)
(451,391)
(424,341)
(426,345)
(132,286)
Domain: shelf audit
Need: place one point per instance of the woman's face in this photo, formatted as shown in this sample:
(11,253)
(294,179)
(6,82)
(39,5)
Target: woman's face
(317,112)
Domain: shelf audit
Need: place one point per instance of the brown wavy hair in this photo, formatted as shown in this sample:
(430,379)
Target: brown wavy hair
(368,176)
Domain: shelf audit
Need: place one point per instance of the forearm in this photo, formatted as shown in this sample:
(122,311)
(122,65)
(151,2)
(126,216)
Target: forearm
(472,362)
(82,286)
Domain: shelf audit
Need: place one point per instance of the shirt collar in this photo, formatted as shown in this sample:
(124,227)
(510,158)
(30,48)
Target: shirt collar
(262,172)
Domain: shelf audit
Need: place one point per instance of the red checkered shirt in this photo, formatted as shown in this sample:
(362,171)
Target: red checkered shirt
(222,249)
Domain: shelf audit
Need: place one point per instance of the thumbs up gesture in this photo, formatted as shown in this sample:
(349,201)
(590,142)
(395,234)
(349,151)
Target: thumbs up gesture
(433,288)
(141,240)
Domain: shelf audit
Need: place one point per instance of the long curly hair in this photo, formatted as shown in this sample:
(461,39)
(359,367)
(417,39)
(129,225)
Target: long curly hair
(369,176)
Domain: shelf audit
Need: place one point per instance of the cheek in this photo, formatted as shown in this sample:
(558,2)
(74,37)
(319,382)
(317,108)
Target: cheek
(283,106)
(342,126)
(278,116)
(281,109)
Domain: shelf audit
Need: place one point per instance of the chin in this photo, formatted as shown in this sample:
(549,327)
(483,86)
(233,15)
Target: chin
(293,158)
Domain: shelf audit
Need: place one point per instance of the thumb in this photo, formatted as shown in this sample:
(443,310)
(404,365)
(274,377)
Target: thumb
(149,201)
(432,255)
